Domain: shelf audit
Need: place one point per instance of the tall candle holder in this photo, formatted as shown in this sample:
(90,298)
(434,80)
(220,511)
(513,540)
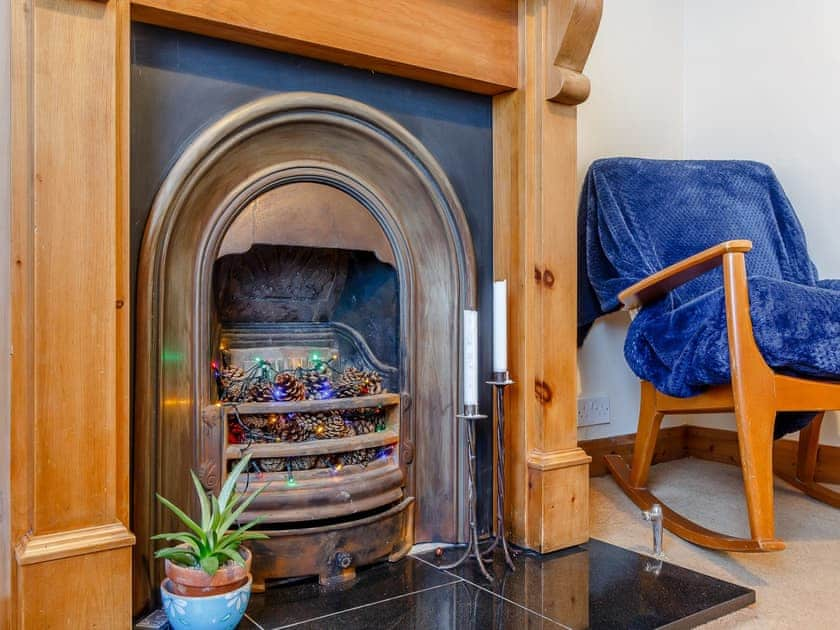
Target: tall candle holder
(471,416)
(500,381)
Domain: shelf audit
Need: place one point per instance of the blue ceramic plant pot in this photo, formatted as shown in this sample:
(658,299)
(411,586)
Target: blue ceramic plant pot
(215,612)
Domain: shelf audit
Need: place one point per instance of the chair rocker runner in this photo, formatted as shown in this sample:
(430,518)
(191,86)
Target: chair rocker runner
(756,393)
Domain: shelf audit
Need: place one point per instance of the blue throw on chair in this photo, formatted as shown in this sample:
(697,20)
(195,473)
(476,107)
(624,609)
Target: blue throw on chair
(638,216)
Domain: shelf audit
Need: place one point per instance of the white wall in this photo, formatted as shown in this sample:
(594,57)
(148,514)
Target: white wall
(764,84)
(636,108)
(749,79)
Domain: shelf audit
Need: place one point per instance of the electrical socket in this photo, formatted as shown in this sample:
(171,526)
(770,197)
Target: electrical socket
(592,410)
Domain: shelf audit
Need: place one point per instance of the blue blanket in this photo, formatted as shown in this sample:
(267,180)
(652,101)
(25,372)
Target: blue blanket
(638,216)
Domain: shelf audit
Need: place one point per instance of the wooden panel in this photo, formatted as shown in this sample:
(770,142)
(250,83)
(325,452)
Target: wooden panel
(720,445)
(465,44)
(69,312)
(535,190)
(712,444)
(559,287)
(562,496)
(5,317)
(90,591)
(74,225)
(670,445)
(511,257)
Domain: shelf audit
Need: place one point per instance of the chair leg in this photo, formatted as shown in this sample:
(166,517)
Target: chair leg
(806,466)
(649,421)
(809,443)
(755,443)
(633,482)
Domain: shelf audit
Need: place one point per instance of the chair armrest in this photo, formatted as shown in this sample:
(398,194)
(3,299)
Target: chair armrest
(656,285)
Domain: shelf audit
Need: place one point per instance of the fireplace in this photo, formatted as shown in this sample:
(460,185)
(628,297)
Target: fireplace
(299,295)
(305,303)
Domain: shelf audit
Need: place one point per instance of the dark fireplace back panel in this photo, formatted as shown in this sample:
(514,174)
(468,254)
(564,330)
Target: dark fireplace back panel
(275,283)
(310,296)
(181,82)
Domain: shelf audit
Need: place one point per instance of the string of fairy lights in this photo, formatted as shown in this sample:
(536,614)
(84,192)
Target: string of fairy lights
(264,371)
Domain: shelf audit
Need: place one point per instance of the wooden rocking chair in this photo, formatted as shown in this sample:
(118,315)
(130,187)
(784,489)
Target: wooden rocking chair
(756,393)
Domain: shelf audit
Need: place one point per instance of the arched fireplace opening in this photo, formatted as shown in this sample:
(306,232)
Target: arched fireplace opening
(305,240)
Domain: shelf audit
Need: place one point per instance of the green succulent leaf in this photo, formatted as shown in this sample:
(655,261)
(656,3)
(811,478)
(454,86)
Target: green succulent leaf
(210,564)
(242,533)
(183,538)
(179,556)
(233,555)
(186,520)
(230,482)
(231,519)
(212,543)
(203,501)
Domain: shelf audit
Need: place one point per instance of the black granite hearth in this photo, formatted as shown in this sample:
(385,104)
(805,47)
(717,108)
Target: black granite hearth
(596,585)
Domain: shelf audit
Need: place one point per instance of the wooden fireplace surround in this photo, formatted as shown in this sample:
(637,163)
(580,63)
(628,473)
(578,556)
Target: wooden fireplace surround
(66,498)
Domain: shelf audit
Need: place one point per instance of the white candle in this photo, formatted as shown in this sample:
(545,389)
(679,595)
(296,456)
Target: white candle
(470,358)
(500,326)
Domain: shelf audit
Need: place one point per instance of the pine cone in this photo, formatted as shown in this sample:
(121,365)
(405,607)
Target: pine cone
(293,430)
(326,461)
(232,379)
(325,425)
(272,464)
(255,421)
(287,387)
(364,426)
(355,382)
(336,427)
(260,391)
(318,385)
(231,372)
(284,464)
(353,457)
(365,420)
(363,456)
(305,462)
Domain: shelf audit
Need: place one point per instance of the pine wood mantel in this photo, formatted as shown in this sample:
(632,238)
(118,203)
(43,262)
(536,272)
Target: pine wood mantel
(65,500)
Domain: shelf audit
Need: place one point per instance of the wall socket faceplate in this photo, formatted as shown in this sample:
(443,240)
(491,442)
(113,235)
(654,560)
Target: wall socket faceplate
(593,410)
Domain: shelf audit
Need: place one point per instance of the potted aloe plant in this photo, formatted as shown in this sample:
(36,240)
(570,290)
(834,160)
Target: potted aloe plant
(208,579)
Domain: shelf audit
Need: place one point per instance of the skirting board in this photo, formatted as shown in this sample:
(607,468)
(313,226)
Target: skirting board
(669,446)
(718,445)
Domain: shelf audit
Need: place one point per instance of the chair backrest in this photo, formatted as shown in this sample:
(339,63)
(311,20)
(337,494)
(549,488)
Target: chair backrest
(647,214)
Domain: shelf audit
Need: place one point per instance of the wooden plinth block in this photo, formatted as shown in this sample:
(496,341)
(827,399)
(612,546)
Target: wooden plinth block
(558,500)
(91,590)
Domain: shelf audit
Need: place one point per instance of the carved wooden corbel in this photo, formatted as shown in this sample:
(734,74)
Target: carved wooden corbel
(570,31)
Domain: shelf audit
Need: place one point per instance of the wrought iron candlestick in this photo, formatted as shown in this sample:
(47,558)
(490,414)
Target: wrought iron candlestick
(471,416)
(500,381)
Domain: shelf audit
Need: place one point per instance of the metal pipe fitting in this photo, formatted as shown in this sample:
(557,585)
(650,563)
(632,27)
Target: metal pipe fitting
(654,516)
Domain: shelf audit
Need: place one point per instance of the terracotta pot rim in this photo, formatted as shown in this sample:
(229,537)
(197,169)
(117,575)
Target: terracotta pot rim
(196,577)
(173,593)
